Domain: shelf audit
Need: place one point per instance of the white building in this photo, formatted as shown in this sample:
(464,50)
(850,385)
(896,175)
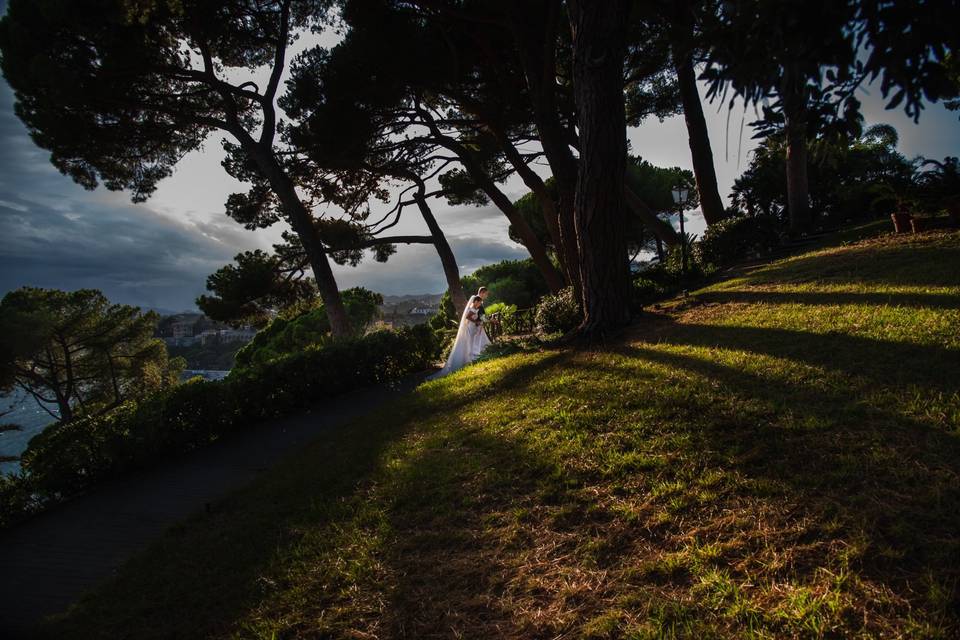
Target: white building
(423,311)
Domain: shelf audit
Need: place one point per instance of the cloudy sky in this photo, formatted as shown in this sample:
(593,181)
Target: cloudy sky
(53,233)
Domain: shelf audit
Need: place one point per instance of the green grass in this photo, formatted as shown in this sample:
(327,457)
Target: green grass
(776,456)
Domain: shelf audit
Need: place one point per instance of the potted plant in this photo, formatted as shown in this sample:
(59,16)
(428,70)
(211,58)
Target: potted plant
(883,195)
(902,221)
(902,216)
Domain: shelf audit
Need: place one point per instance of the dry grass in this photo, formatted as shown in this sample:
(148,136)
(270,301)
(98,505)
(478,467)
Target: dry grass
(776,457)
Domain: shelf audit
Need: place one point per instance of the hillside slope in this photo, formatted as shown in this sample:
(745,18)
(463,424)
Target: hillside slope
(776,456)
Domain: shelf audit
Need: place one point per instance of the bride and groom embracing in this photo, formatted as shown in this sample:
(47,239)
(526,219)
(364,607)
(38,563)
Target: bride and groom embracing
(471,338)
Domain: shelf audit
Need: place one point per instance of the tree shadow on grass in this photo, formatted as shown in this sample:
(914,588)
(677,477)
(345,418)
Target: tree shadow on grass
(211,572)
(889,481)
(465,560)
(883,362)
(905,264)
(493,540)
(918,300)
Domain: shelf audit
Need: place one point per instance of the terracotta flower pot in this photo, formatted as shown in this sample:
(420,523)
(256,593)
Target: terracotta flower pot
(901,222)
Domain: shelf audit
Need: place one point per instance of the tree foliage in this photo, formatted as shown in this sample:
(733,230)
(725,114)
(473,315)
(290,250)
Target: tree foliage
(254,289)
(849,180)
(78,352)
(288,335)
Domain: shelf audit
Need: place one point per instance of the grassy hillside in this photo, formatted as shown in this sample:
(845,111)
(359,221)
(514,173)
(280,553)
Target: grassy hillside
(776,456)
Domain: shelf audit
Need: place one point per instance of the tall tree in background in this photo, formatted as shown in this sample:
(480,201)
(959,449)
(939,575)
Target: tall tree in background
(121,90)
(797,54)
(598,55)
(405,85)
(807,58)
(683,28)
(78,352)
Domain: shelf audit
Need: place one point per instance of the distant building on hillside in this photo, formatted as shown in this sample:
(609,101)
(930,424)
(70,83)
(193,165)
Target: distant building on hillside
(182,329)
(423,311)
(243,334)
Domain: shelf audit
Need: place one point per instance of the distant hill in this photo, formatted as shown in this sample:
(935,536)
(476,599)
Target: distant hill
(425,298)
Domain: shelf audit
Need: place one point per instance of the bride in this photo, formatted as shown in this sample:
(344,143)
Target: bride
(470,341)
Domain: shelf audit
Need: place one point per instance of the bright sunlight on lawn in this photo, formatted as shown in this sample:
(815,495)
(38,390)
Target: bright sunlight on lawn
(775,456)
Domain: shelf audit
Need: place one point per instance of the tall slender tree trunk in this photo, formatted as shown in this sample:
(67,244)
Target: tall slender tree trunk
(798,188)
(534,27)
(795,125)
(528,238)
(450,269)
(302,223)
(703,169)
(598,53)
(548,205)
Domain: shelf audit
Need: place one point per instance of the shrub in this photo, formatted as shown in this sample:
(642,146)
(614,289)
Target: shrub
(674,264)
(67,458)
(505,310)
(558,313)
(311,327)
(646,290)
(17,499)
(737,238)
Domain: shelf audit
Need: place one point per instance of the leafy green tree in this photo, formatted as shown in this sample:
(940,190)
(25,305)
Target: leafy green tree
(254,289)
(291,333)
(78,352)
(649,183)
(394,81)
(800,59)
(120,90)
(851,179)
(938,183)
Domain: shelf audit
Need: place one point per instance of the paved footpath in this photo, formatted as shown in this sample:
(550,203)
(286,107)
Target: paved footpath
(48,561)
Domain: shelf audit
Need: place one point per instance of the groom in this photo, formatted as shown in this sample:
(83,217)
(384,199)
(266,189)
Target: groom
(481,312)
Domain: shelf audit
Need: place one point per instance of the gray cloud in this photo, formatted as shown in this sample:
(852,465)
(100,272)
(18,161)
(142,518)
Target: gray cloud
(132,254)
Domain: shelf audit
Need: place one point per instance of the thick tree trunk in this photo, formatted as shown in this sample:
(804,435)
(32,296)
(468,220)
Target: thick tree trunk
(449,262)
(793,93)
(798,202)
(534,28)
(598,52)
(302,223)
(703,169)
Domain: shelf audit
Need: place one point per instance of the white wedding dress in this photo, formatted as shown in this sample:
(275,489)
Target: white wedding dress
(471,340)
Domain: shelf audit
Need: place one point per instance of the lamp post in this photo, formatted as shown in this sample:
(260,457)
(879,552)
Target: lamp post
(680,194)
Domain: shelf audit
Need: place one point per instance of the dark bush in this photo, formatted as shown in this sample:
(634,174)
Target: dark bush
(558,313)
(646,290)
(67,458)
(737,238)
(310,327)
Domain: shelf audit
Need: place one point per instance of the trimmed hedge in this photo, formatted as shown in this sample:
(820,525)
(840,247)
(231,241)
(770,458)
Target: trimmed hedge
(65,459)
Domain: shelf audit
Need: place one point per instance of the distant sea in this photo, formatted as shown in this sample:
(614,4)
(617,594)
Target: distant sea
(25,412)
